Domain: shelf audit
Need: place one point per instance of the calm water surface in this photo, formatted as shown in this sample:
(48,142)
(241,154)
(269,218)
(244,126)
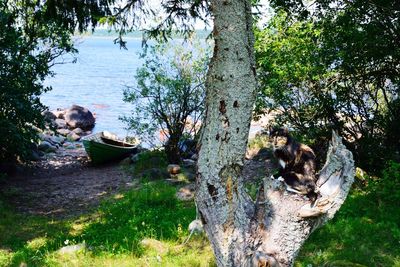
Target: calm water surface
(96,81)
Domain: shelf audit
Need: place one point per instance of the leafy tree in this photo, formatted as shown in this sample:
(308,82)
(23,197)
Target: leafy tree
(337,69)
(28,47)
(169,94)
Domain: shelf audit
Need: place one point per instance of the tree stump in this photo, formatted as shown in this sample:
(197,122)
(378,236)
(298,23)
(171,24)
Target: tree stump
(290,218)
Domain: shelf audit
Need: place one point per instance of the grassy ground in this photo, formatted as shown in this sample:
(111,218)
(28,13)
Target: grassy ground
(112,234)
(365,232)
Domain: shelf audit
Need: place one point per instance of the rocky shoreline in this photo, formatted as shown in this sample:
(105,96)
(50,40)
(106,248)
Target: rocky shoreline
(65,128)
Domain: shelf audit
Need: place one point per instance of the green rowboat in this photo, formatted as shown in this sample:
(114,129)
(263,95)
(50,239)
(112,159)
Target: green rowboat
(104,146)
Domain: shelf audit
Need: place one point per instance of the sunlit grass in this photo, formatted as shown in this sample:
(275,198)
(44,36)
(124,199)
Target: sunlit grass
(365,232)
(112,235)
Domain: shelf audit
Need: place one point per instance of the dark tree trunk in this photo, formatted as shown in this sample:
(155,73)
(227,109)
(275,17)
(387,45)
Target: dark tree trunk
(172,150)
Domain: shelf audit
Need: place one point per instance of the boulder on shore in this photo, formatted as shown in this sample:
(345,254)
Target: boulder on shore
(47,147)
(73,137)
(78,131)
(60,123)
(59,113)
(79,117)
(48,116)
(63,132)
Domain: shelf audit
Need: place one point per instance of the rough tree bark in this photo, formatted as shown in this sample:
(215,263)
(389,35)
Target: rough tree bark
(272,229)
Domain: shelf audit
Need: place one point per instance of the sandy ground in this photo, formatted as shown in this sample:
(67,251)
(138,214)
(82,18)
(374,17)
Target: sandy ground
(63,184)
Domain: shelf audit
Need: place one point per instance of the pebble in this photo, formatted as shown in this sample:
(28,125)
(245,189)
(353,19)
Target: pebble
(174,168)
(188,163)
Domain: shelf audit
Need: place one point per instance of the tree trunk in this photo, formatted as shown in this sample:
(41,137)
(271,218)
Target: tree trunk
(272,229)
(172,149)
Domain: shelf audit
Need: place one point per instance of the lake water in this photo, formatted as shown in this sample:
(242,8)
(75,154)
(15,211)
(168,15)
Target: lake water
(96,81)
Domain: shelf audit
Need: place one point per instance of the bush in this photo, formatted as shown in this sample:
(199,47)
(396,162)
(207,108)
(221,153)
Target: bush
(169,94)
(28,46)
(332,72)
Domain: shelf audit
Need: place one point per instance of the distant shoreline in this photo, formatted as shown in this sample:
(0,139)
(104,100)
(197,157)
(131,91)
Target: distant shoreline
(202,34)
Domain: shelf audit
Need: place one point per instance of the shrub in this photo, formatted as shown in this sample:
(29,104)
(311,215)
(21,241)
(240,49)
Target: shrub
(28,46)
(168,96)
(336,70)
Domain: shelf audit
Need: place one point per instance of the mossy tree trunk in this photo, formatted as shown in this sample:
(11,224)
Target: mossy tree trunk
(271,229)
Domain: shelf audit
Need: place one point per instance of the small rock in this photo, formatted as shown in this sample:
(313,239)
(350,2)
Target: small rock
(59,113)
(34,156)
(72,248)
(135,158)
(194,157)
(51,155)
(57,139)
(78,131)
(46,147)
(173,168)
(88,132)
(154,244)
(63,132)
(69,145)
(188,163)
(53,140)
(73,137)
(196,227)
(186,193)
(42,136)
(78,145)
(60,123)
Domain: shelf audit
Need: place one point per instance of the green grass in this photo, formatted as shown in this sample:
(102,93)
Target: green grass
(258,142)
(112,234)
(365,232)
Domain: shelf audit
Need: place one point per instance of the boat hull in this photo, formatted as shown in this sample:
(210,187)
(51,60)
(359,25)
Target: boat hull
(101,152)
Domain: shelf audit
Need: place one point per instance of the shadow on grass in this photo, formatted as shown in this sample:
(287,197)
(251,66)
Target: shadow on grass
(116,228)
(25,239)
(151,212)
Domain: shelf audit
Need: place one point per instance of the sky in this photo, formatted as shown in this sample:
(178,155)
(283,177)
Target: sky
(199,25)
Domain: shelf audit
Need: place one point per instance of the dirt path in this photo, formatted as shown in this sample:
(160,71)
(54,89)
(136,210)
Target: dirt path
(63,185)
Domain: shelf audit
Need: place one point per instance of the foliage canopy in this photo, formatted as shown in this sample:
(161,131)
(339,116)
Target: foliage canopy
(337,69)
(29,45)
